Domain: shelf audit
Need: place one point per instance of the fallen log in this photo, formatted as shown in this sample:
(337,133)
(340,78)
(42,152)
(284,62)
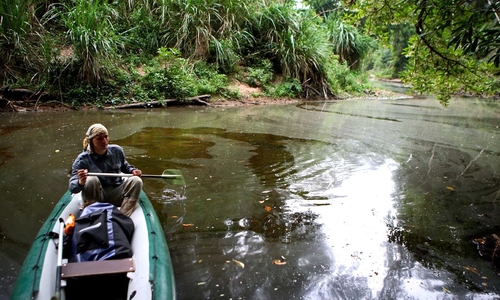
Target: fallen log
(24,94)
(202,99)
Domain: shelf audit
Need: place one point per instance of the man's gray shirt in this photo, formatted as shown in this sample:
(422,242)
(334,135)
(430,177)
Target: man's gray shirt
(113,161)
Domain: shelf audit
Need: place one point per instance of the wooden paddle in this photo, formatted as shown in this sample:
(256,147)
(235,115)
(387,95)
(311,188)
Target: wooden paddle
(172,176)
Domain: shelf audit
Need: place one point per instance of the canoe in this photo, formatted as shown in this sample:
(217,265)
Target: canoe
(152,275)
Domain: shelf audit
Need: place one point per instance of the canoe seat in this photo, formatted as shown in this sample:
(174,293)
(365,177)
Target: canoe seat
(88,268)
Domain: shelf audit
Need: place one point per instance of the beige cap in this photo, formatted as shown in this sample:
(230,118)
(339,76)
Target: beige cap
(93,131)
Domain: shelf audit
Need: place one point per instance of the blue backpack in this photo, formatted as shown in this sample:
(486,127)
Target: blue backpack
(102,232)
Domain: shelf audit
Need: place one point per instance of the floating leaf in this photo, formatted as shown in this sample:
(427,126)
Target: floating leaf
(481,241)
(57,151)
(267,208)
(472,269)
(174,217)
(449,188)
(446,290)
(187,225)
(279,262)
(239,263)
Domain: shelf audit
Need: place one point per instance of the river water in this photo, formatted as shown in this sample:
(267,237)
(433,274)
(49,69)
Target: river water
(355,199)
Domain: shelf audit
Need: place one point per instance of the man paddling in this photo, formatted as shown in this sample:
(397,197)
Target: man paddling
(99,156)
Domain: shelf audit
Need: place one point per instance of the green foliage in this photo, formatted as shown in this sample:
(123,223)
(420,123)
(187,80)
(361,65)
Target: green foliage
(455,48)
(400,35)
(459,75)
(15,25)
(259,74)
(169,77)
(342,80)
(225,55)
(198,26)
(291,88)
(106,52)
(90,33)
(387,60)
(209,81)
(324,7)
(296,42)
(122,89)
(350,45)
(380,63)
(475,31)
(141,31)
(15,29)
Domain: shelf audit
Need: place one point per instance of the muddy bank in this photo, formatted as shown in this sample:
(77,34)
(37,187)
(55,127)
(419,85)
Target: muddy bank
(23,100)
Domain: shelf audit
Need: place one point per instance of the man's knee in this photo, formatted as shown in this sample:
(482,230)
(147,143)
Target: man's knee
(136,182)
(92,181)
(92,191)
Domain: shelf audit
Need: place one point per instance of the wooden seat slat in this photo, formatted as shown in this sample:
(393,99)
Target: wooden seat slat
(89,268)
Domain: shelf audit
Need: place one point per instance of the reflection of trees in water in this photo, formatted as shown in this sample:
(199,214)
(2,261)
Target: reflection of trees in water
(170,143)
(446,198)
(5,156)
(273,164)
(436,254)
(488,246)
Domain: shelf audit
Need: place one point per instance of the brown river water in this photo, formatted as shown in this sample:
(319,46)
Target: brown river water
(356,199)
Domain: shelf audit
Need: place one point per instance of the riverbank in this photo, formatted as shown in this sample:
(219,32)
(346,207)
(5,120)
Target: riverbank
(29,101)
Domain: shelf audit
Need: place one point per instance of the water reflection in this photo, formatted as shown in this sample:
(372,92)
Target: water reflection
(447,199)
(355,234)
(317,208)
(350,203)
(326,212)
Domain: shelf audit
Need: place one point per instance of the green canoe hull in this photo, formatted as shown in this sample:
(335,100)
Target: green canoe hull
(153,278)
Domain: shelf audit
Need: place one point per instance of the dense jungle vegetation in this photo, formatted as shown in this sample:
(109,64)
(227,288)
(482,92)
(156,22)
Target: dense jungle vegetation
(115,52)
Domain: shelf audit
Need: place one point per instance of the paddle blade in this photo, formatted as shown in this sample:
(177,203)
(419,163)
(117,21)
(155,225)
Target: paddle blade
(177,180)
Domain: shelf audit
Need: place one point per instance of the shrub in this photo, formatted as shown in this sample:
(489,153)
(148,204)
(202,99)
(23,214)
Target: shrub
(90,34)
(209,81)
(291,87)
(169,77)
(260,74)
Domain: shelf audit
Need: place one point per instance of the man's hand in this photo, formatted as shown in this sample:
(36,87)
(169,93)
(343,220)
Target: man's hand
(82,176)
(137,172)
